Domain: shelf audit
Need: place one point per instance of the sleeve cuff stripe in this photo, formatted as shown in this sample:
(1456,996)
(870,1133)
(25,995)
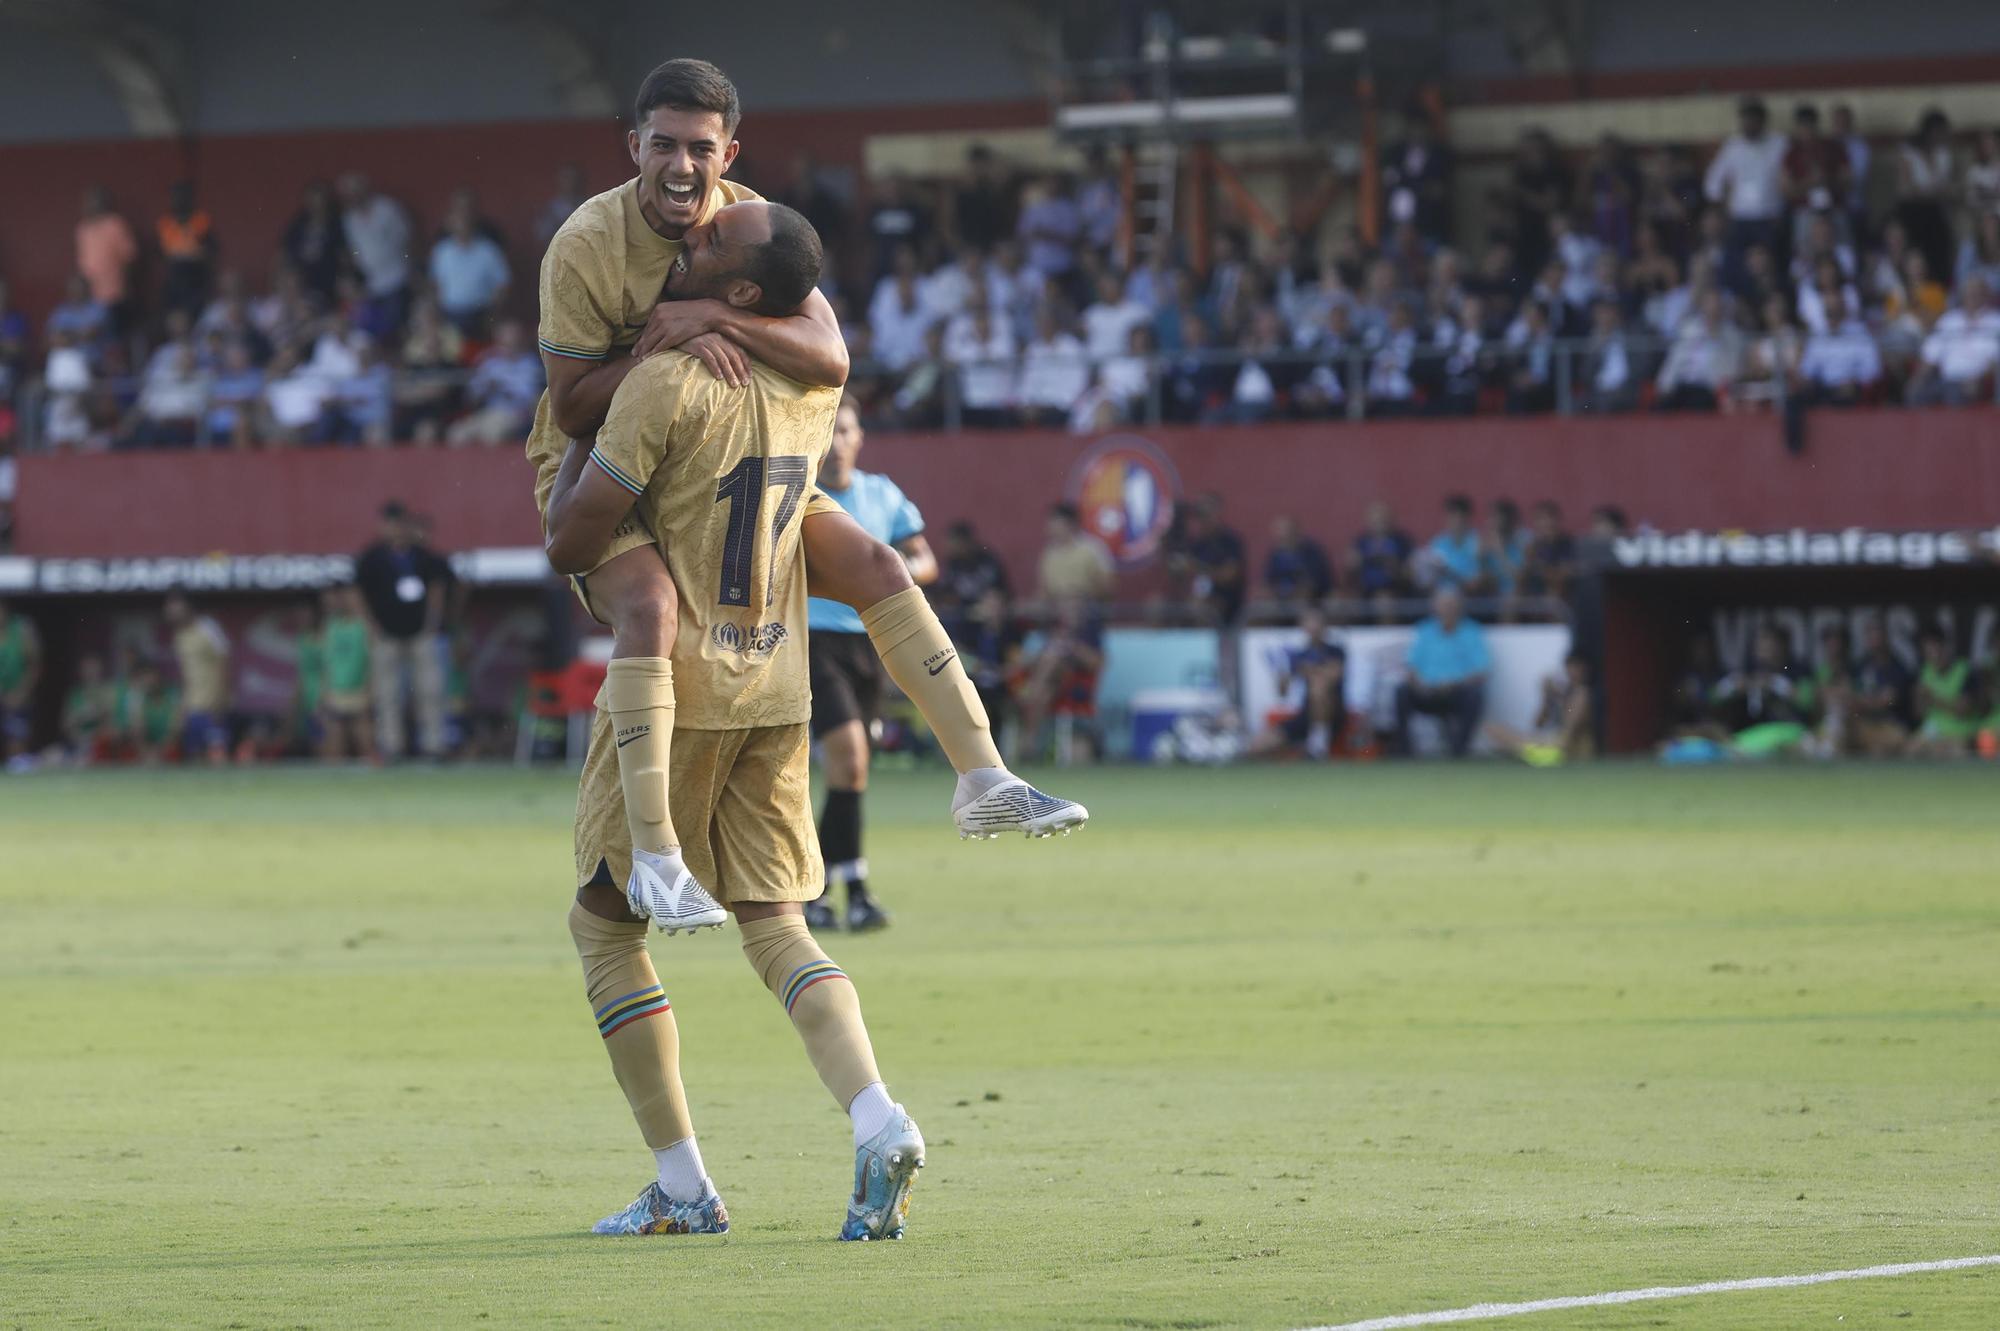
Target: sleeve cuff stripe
(574,353)
(615,474)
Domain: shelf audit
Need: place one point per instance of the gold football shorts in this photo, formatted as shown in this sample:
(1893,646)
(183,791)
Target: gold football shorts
(741,800)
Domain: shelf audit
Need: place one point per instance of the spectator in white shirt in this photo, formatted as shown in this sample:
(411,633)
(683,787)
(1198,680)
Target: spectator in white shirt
(1841,364)
(378,233)
(1390,391)
(897,315)
(295,399)
(66,379)
(1982,175)
(1128,378)
(1961,353)
(1013,289)
(1827,286)
(945,292)
(1054,373)
(1608,381)
(1108,323)
(1979,256)
(1771,366)
(1050,226)
(1704,360)
(1820,243)
(982,349)
(468,271)
(172,400)
(1579,253)
(1747,178)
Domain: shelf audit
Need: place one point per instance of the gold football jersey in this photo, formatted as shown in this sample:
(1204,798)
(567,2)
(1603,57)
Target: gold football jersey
(601,278)
(724,476)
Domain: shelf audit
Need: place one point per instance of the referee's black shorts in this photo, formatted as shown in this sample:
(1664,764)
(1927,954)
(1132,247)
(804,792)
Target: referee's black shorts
(846,680)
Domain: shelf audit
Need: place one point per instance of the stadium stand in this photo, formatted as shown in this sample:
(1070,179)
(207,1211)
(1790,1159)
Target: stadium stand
(1502,268)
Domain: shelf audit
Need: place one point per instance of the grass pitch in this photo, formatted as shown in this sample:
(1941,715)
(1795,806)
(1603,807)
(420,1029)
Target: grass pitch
(1261,1048)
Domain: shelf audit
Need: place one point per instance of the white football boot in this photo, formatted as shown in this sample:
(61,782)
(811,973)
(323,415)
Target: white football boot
(992,800)
(662,890)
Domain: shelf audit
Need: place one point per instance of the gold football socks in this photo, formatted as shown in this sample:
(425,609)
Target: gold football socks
(639,694)
(819,999)
(637,1024)
(924,664)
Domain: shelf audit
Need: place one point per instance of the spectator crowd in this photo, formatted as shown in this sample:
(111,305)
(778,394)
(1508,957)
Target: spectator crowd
(1625,280)
(1808,263)
(366,332)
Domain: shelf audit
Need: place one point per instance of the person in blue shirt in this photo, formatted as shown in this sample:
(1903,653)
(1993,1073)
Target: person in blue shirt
(1448,666)
(847,673)
(1453,553)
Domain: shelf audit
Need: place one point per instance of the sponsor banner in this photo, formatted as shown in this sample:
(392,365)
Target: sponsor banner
(146,575)
(1971,626)
(1853,547)
(1523,656)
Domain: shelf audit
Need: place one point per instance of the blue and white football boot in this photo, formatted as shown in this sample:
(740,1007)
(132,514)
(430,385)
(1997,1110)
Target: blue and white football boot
(656,1213)
(885,1166)
(984,806)
(663,890)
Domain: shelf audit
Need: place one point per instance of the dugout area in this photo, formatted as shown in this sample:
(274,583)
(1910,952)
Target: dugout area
(1650,616)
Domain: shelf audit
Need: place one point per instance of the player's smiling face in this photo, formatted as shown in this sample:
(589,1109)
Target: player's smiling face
(680,155)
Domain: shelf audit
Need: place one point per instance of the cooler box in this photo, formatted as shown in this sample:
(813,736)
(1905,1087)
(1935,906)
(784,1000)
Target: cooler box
(1154,712)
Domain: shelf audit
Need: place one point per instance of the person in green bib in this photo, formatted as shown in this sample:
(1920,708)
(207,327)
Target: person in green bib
(345,646)
(1949,719)
(20,672)
(149,714)
(90,712)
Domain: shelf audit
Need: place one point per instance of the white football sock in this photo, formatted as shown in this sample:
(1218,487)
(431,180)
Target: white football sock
(682,1177)
(871,1111)
(977,782)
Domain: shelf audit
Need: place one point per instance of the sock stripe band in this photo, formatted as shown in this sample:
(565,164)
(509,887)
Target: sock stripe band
(619,1013)
(806,976)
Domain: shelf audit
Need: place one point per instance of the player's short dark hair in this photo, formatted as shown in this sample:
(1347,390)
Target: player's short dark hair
(787,265)
(689,85)
(1458,504)
(1067,512)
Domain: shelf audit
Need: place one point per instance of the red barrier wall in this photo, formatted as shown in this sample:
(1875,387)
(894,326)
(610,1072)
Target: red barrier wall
(1887,469)
(250,183)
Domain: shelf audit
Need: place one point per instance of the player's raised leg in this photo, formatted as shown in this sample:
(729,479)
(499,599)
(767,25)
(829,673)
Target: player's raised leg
(637,1025)
(635,594)
(845,563)
(826,1012)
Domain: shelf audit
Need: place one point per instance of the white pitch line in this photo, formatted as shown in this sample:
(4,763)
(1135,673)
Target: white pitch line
(1480,1312)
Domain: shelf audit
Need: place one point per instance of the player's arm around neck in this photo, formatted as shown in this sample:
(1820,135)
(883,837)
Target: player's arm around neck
(580,391)
(805,346)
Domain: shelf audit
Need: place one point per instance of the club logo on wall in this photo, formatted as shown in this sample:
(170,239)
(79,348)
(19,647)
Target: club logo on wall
(1125,490)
